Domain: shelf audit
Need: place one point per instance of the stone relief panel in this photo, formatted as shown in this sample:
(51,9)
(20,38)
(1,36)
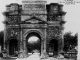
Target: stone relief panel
(33,6)
(54,18)
(39,16)
(42,17)
(13,19)
(25,17)
(12,33)
(53,32)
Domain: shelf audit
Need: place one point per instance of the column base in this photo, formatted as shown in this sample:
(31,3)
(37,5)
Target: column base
(44,56)
(62,51)
(23,55)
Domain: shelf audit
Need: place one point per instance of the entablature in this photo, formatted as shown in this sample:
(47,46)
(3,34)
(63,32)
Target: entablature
(34,26)
(55,23)
(13,26)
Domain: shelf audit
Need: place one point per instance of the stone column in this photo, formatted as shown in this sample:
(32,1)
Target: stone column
(43,47)
(0,48)
(62,37)
(25,52)
(23,48)
(5,48)
(43,50)
(20,45)
(4,38)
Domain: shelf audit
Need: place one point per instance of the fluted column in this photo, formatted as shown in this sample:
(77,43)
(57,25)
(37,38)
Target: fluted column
(62,37)
(25,51)
(4,38)
(5,48)
(20,45)
(44,47)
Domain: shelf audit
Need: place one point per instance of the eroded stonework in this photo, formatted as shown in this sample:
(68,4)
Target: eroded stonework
(38,17)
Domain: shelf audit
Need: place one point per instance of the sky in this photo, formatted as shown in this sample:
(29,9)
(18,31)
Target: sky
(71,17)
(33,39)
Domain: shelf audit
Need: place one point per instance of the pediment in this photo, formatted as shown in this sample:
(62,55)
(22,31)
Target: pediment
(34,20)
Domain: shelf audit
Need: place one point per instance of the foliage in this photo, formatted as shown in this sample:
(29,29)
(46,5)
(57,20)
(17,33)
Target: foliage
(70,41)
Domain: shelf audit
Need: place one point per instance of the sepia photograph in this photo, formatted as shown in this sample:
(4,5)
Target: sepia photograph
(39,29)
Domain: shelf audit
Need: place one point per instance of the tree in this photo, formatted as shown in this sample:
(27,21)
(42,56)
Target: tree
(75,39)
(70,41)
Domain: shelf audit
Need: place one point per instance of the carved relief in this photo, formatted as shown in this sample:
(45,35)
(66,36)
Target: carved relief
(13,19)
(53,31)
(12,33)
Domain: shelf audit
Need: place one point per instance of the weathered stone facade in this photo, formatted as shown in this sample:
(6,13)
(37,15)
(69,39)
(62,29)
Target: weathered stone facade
(33,16)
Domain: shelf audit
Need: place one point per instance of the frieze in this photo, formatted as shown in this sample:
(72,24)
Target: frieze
(13,26)
(33,26)
(34,11)
(53,23)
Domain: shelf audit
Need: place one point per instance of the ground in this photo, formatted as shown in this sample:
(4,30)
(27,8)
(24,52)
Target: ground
(35,56)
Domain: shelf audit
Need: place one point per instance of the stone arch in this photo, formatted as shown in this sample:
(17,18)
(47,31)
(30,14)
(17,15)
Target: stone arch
(53,47)
(38,32)
(34,33)
(12,47)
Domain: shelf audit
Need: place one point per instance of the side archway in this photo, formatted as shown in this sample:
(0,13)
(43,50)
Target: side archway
(53,47)
(13,47)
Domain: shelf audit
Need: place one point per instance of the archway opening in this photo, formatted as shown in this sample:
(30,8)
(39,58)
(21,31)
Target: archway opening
(13,47)
(33,43)
(53,48)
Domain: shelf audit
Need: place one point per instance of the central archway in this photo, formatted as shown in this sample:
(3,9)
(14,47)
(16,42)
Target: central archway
(33,41)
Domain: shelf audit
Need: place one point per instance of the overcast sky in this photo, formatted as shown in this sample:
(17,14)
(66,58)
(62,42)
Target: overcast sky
(72,16)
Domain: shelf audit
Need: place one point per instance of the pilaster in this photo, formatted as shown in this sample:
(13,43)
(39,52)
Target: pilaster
(44,47)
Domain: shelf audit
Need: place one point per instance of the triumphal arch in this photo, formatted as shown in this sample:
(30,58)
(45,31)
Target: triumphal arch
(33,18)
